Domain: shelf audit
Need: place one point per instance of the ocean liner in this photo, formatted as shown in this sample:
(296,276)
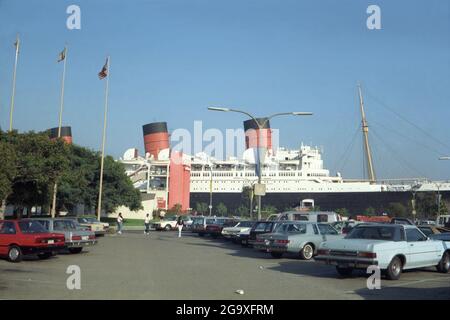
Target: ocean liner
(292,177)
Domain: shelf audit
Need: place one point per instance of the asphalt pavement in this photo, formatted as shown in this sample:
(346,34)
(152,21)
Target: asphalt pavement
(163,266)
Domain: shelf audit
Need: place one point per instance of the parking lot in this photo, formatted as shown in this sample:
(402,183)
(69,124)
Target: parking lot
(162,266)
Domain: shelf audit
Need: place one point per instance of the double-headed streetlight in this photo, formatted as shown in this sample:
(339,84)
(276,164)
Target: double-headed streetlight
(444,158)
(260,127)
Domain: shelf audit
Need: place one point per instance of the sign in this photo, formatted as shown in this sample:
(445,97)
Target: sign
(260,189)
(161,203)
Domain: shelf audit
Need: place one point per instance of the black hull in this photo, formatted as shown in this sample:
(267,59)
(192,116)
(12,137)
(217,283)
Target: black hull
(354,202)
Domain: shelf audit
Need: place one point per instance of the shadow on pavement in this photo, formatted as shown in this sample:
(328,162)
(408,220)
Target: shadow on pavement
(400,293)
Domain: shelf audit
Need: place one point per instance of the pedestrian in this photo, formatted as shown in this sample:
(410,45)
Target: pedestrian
(147,224)
(180,224)
(119,223)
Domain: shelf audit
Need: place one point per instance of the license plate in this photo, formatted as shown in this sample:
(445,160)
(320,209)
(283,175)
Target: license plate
(85,238)
(51,241)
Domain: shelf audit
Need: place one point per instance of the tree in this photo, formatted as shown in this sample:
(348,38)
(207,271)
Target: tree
(7,171)
(370,211)
(242,211)
(202,207)
(342,211)
(175,209)
(396,209)
(39,163)
(221,209)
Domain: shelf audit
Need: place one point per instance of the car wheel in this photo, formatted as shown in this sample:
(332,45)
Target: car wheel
(394,269)
(444,264)
(167,227)
(244,243)
(345,272)
(307,252)
(276,255)
(44,255)
(75,250)
(201,234)
(15,254)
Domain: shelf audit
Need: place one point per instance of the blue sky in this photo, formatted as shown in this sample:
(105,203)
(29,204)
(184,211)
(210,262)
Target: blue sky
(173,58)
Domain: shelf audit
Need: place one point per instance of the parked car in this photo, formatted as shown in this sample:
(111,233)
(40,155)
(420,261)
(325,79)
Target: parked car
(428,230)
(25,237)
(393,248)
(312,216)
(167,223)
(187,219)
(90,223)
(233,232)
(215,229)
(75,237)
(260,227)
(297,237)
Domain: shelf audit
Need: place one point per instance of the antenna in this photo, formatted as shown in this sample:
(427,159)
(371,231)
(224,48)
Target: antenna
(365,130)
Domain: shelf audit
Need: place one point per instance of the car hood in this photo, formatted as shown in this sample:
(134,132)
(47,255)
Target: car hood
(354,244)
(236,229)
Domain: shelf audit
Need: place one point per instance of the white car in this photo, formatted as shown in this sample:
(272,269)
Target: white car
(391,247)
(232,232)
(166,224)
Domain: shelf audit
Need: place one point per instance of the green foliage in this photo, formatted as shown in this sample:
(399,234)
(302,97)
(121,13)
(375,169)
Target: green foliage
(427,205)
(269,209)
(202,207)
(8,167)
(342,211)
(243,211)
(221,209)
(39,163)
(176,209)
(370,211)
(396,209)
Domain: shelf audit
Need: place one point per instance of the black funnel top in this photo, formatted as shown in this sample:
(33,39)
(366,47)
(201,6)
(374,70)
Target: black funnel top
(251,124)
(154,127)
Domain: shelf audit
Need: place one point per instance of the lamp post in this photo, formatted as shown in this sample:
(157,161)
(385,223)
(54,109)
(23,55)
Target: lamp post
(260,127)
(210,189)
(444,158)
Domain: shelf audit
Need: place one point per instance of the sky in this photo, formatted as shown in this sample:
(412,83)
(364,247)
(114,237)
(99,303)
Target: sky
(171,59)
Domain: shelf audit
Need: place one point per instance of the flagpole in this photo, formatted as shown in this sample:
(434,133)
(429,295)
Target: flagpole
(11,111)
(99,209)
(61,108)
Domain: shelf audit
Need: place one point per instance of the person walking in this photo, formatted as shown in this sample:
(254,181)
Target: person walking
(180,224)
(119,223)
(147,224)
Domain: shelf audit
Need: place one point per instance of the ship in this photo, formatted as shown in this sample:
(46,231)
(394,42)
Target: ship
(171,179)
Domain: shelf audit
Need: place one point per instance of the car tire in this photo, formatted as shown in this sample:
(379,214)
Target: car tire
(15,254)
(276,255)
(394,269)
(201,234)
(444,264)
(345,272)
(307,252)
(244,243)
(44,255)
(167,227)
(75,250)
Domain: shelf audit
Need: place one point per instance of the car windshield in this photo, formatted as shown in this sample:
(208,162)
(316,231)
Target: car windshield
(263,226)
(376,233)
(427,231)
(210,221)
(31,227)
(64,225)
(245,224)
(291,228)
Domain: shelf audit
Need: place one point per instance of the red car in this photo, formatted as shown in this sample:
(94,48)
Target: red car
(25,237)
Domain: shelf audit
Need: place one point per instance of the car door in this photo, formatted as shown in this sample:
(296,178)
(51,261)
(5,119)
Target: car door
(7,236)
(421,251)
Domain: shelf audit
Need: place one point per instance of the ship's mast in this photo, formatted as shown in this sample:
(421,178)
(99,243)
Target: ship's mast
(365,130)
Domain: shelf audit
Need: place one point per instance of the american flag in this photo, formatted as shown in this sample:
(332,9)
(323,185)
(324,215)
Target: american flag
(62,55)
(104,73)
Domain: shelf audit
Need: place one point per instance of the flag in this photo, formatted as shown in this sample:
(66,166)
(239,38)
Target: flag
(62,55)
(104,73)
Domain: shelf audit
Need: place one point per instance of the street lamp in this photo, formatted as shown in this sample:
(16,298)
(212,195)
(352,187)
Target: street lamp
(444,158)
(260,127)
